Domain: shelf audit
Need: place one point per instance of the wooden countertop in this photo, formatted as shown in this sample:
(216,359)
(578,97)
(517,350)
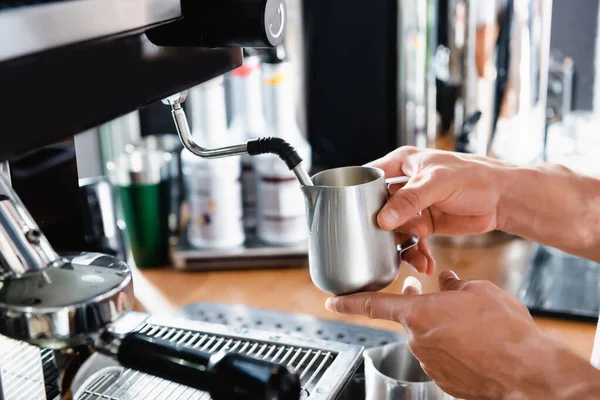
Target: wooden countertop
(162,291)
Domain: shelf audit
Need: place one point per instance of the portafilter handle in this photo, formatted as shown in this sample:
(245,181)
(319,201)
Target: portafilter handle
(23,246)
(224,375)
(254,147)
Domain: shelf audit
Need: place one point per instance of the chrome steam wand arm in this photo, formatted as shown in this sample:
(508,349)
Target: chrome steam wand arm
(253,147)
(23,246)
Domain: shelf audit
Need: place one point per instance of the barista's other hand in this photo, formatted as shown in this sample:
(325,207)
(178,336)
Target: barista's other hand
(476,341)
(457,194)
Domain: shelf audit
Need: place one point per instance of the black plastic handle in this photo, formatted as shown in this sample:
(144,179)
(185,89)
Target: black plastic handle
(222,375)
(274,145)
(225,23)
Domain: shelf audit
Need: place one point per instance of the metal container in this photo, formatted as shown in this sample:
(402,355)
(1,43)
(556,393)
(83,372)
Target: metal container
(142,181)
(98,206)
(393,373)
(347,250)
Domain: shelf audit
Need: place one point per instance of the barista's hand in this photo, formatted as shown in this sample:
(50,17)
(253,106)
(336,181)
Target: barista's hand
(457,194)
(461,194)
(476,341)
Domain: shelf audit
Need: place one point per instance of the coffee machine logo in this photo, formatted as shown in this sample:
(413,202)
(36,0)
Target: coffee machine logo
(277,25)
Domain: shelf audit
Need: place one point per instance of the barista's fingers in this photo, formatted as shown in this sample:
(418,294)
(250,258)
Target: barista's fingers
(419,193)
(426,251)
(391,307)
(412,286)
(416,259)
(400,162)
(419,256)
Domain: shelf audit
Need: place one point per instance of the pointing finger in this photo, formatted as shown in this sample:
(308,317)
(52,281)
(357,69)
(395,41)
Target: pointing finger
(390,307)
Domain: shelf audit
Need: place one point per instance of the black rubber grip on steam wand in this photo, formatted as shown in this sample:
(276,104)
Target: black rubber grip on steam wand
(274,145)
(223,376)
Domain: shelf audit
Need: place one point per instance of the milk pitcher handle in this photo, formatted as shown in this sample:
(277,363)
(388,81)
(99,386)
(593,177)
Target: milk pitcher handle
(413,240)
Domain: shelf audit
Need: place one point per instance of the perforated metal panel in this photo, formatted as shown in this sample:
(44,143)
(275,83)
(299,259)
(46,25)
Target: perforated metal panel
(240,317)
(324,369)
(21,372)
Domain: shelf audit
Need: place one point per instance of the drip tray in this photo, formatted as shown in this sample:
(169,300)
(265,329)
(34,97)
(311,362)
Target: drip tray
(326,368)
(242,317)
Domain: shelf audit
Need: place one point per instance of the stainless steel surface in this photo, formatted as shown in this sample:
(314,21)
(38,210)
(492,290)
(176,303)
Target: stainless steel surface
(23,247)
(185,133)
(115,136)
(5,171)
(302,175)
(140,166)
(393,373)
(101,230)
(347,250)
(324,367)
(21,373)
(66,306)
(35,28)
(287,323)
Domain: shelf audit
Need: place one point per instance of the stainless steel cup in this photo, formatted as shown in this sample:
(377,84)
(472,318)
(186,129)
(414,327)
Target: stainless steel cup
(348,251)
(393,373)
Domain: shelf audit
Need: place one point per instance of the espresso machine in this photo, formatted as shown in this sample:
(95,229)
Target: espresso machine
(68,66)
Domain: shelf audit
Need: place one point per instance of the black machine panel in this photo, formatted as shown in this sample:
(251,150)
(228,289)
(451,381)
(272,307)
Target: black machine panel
(351,80)
(76,64)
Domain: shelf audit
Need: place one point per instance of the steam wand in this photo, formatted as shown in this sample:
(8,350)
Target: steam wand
(253,147)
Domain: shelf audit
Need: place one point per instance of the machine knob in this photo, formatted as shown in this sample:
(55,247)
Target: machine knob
(225,23)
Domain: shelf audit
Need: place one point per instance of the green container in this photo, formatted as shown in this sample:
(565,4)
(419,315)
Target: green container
(146,209)
(143,184)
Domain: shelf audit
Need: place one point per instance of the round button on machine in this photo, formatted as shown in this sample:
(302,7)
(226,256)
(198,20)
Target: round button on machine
(225,23)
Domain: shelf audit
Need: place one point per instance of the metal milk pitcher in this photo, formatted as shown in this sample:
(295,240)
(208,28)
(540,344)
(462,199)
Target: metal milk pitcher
(347,250)
(393,373)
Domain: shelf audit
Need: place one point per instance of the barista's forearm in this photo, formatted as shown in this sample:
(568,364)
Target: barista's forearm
(556,374)
(552,206)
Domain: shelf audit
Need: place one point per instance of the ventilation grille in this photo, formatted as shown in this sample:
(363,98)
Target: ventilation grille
(309,364)
(21,373)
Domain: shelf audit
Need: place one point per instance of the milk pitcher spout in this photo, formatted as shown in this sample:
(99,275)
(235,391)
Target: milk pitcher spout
(311,198)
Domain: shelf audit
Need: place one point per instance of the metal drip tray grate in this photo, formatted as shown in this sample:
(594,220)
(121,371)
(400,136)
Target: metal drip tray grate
(323,369)
(21,372)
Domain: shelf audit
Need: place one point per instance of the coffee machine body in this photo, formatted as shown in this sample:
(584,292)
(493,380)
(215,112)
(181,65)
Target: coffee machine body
(72,66)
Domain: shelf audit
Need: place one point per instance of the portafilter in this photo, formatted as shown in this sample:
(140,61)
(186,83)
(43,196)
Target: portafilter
(69,304)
